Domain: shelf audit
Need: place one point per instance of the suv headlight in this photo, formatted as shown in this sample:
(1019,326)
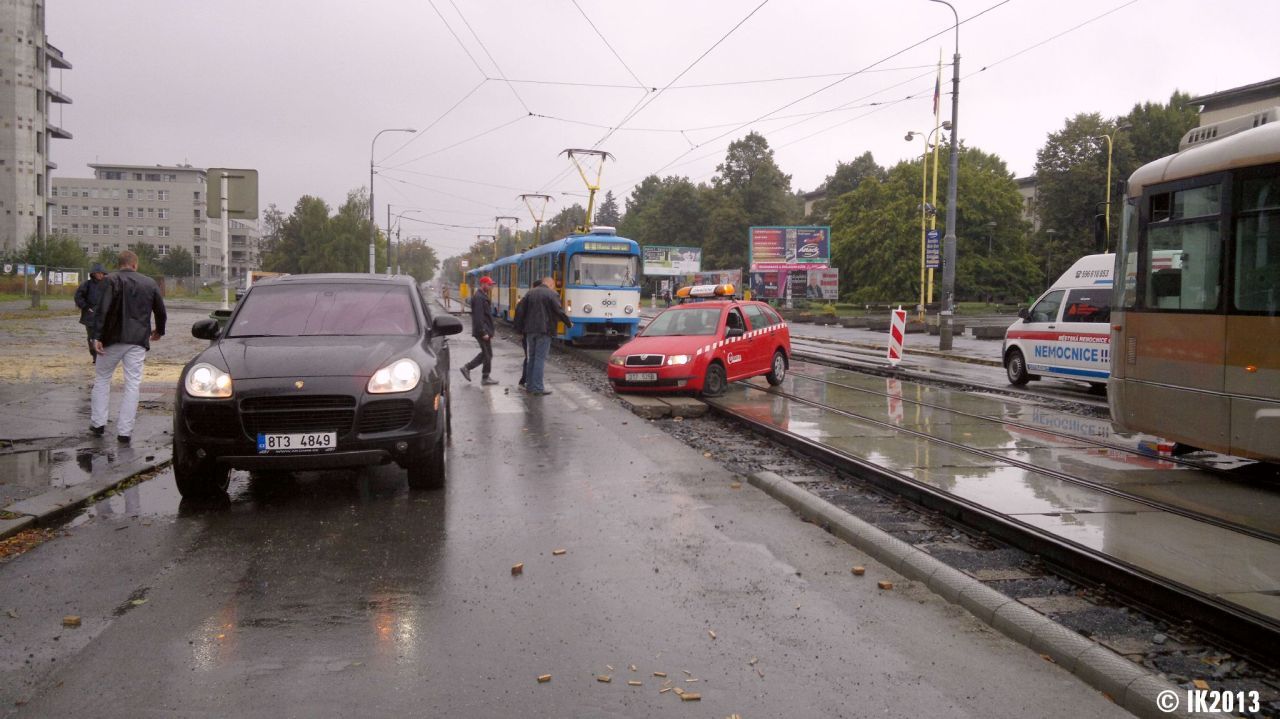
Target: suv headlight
(678,359)
(399,376)
(205,380)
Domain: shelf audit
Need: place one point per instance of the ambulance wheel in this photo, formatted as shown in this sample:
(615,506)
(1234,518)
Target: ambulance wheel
(1015,365)
(777,370)
(716,381)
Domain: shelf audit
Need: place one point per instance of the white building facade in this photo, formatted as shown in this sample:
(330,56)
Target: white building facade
(163,206)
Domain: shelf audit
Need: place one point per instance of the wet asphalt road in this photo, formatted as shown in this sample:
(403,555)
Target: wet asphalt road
(344,594)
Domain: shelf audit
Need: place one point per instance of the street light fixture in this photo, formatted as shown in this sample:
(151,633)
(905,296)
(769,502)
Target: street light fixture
(397,244)
(949,241)
(1106,237)
(373,224)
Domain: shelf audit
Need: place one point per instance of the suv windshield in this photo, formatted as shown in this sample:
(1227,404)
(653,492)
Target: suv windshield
(300,310)
(703,321)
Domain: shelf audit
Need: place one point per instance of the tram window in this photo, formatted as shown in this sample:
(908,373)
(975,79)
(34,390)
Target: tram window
(1087,306)
(1046,310)
(616,270)
(1257,256)
(1183,262)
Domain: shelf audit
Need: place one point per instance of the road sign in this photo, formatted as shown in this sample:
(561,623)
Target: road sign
(242,193)
(932,250)
(897,330)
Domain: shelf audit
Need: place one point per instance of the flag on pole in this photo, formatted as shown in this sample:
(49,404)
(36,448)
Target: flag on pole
(937,90)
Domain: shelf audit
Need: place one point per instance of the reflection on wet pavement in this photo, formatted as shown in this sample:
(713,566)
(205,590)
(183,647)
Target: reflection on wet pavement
(1003,453)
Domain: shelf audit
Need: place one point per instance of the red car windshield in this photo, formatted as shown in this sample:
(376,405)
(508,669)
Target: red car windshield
(692,321)
(321,309)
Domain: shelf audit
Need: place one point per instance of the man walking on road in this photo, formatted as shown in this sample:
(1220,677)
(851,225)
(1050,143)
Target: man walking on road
(519,323)
(542,311)
(122,333)
(482,330)
(87,296)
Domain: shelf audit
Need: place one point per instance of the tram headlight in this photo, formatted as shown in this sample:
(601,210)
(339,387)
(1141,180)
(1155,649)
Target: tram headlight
(586,308)
(678,359)
(568,307)
(628,309)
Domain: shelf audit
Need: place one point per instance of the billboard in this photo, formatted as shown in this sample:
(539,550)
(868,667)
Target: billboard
(670,261)
(790,248)
(716,277)
(807,284)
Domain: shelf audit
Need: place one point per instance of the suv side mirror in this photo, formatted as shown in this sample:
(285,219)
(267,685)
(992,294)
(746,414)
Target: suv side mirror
(734,332)
(206,329)
(1024,313)
(445,325)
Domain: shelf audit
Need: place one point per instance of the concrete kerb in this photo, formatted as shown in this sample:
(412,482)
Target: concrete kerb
(1128,684)
(44,507)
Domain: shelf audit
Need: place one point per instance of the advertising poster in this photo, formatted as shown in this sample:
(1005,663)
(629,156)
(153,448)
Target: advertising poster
(672,261)
(818,285)
(790,248)
(716,277)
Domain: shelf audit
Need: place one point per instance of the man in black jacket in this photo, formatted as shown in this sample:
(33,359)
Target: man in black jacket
(122,333)
(482,330)
(518,322)
(87,296)
(542,312)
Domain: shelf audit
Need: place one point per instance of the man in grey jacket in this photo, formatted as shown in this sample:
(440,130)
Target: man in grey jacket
(122,333)
(482,330)
(542,312)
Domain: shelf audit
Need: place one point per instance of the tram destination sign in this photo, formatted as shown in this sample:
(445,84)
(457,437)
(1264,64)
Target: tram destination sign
(605,246)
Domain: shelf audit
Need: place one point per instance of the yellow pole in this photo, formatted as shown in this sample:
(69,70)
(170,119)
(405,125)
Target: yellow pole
(924,178)
(933,221)
(1106,222)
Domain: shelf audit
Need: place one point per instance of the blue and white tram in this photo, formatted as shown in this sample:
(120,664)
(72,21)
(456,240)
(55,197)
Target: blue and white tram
(598,278)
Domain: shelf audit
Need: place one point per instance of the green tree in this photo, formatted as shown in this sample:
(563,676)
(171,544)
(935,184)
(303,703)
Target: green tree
(845,179)
(749,189)
(178,263)
(563,223)
(58,249)
(672,214)
(417,258)
(312,240)
(607,214)
(876,234)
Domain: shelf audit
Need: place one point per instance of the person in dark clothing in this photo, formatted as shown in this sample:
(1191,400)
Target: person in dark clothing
(482,330)
(518,322)
(542,312)
(87,296)
(122,333)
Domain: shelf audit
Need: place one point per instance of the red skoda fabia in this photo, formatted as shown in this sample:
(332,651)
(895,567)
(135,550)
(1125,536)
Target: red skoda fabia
(702,347)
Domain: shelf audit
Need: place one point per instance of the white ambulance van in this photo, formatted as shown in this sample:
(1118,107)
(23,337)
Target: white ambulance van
(1066,332)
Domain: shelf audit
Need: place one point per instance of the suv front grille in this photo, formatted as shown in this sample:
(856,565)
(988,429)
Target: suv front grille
(298,413)
(644,360)
(212,420)
(385,415)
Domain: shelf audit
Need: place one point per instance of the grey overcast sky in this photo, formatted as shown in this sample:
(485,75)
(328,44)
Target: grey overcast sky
(298,88)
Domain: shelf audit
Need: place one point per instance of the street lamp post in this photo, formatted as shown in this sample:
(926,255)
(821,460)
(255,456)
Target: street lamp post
(1106,222)
(373,223)
(1048,253)
(949,240)
(925,207)
(400,214)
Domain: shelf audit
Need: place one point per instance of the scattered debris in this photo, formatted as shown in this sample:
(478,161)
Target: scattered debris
(517,568)
(660,674)
(711,634)
(635,683)
(858,571)
(690,697)
(753,661)
(544,678)
(558,552)
(604,678)
(735,485)
(664,690)
(12,614)
(1048,658)
(632,667)
(1200,684)
(137,602)
(71,620)
(885,584)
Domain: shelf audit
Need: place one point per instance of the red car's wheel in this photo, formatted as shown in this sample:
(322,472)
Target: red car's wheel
(716,381)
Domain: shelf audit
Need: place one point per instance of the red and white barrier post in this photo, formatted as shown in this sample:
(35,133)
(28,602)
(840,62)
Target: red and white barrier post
(897,331)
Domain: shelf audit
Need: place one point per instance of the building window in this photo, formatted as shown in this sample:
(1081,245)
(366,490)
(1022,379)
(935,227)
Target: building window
(151,212)
(115,211)
(137,176)
(195,214)
(93,230)
(163,213)
(112,175)
(65,211)
(170,178)
(53,191)
(195,232)
(93,192)
(164,231)
(151,194)
(115,194)
(153,177)
(128,194)
(197,195)
(162,250)
(128,211)
(163,195)
(96,212)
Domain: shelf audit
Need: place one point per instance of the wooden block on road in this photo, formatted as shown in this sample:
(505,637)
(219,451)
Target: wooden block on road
(646,407)
(686,406)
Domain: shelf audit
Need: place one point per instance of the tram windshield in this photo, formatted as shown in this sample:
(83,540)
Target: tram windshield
(600,270)
(703,321)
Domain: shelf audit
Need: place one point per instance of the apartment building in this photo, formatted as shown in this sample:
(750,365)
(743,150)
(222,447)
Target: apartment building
(163,206)
(26,125)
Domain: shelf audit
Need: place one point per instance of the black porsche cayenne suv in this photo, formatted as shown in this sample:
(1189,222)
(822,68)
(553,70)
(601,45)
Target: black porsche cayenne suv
(316,372)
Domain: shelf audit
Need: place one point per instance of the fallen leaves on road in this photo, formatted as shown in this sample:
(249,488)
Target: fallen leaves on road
(24,541)
(71,620)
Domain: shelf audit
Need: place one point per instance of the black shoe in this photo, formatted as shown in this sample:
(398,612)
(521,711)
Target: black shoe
(541,393)
(97,431)
(123,438)
(465,373)
(488,380)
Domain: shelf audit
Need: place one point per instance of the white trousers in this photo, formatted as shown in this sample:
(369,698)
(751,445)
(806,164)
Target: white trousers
(131,356)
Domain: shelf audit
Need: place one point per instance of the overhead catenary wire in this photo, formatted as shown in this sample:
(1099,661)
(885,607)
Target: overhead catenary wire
(607,44)
(459,143)
(458,39)
(422,133)
(488,54)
